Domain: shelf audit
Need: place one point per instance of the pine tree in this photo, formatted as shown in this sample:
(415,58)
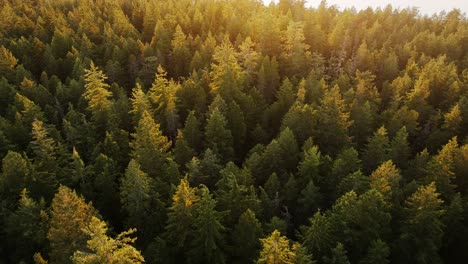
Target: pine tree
(69,215)
(246,235)
(149,146)
(276,250)
(180,53)
(295,52)
(233,195)
(423,229)
(334,121)
(97,91)
(135,194)
(192,132)
(16,172)
(218,137)
(378,252)
(140,103)
(376,150)
(26,228)
(248,58)
(386,179)
(207,242)
(308,168)
(301,255)
(317,237)
(310,198)
(346,163)
(400,150)
(226,74)
(104,249)
(76,168)
(45,162)
(338,255)
(441,168)
(237,126)
(162,96)
(183,153)
(181,216)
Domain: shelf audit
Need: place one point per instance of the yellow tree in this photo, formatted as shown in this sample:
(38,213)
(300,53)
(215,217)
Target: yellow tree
(104,249)
(96,91)
(70,214)
(276,250)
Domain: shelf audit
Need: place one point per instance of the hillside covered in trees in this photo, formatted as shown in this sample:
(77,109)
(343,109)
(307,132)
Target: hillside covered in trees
(204,131)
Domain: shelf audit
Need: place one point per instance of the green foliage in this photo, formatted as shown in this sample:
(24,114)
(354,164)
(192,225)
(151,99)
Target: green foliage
(207,238)
(316,122)
(423,228)
(149,145)
(246,235)
(217,135)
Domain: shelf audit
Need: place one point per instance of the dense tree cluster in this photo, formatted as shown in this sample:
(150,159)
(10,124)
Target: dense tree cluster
(226,131)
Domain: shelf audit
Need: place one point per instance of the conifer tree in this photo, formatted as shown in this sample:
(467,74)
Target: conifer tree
(45,162)
(276,249)
(140,103)
(149,146)
(246,235)
(386,179)
(135,194)
(27,228)
(207,241)
(376,150)
(400,150)
(422,229)
(181,216)
(192,132)
(338,255)
(183,153)
(97,91)
(104,249)
(69,215)
(218,137)
(16,171)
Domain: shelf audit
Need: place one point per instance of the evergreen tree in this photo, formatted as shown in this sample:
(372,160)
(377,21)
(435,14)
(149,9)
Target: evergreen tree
(181,217)
(226,74)
(338,256)
(69,216)
(207,241)
(218,137)
(333,121)
(45,162)
(246,235)
(135,194)
(27,228)
(162,96)
(422,229)
(15,175)
(149,146)
(376,150)
(386,179)
(103,249)
(378,252)
(276,249)
(97,92)
(192,132)
(400,150)
(183,153)
(140,103)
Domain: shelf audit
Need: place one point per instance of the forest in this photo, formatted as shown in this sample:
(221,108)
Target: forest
(228,131)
